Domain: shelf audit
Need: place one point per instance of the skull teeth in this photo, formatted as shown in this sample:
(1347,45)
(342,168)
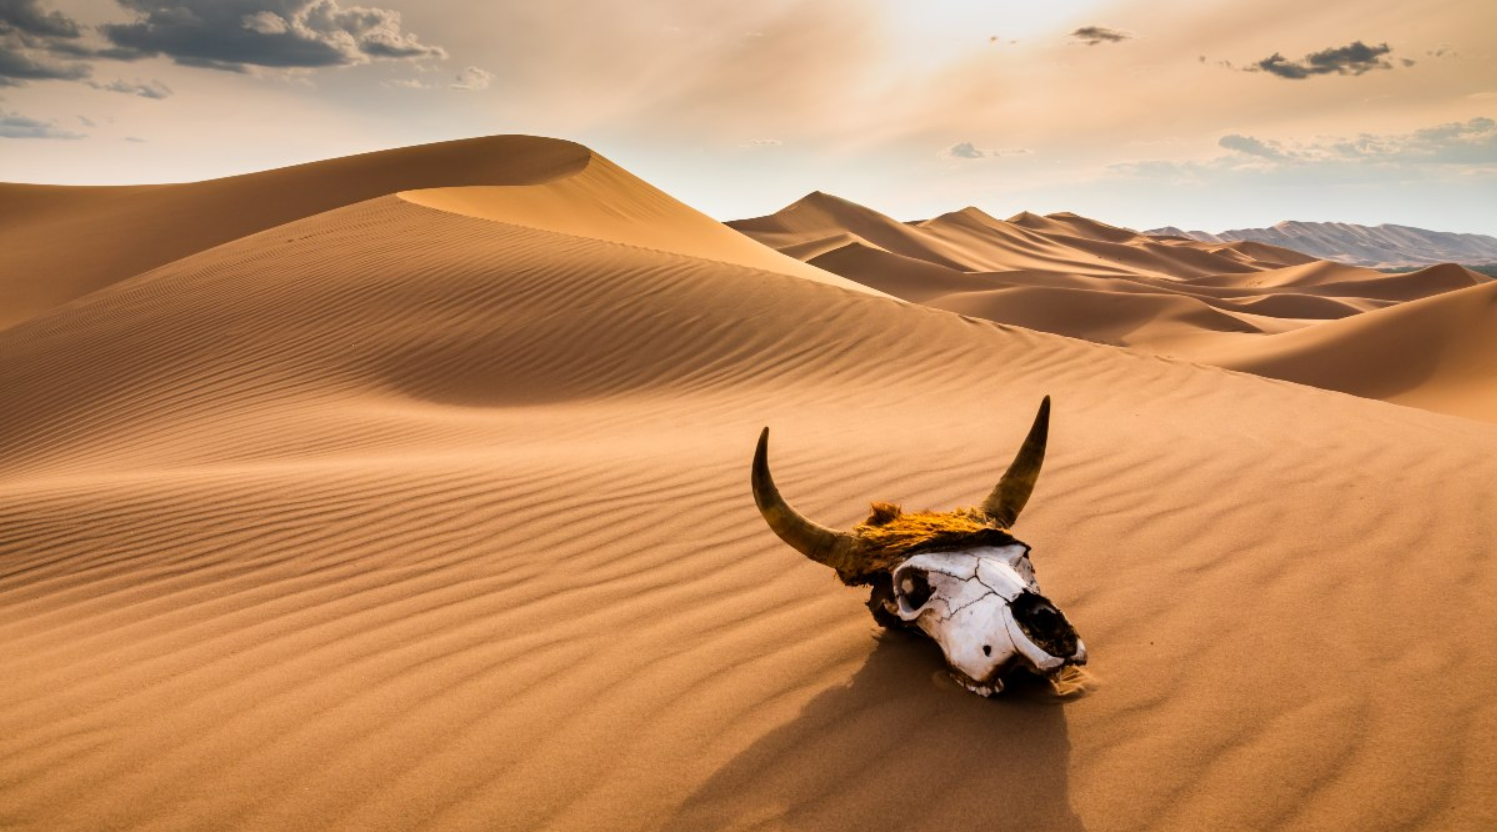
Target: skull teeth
(982,690)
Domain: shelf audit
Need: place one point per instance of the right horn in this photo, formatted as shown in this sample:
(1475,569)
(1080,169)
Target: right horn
(1012,492)
(839,550)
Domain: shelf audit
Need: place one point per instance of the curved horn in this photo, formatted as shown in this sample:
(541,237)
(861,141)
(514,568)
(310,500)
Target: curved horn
(1012,492)
(838,550)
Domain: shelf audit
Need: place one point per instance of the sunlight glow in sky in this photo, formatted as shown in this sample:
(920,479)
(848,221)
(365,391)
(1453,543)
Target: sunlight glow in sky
(1200,114)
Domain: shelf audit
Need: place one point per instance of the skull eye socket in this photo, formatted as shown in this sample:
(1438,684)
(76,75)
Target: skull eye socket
(913,589)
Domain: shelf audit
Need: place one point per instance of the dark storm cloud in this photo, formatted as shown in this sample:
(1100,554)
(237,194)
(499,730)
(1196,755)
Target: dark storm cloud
(1093,35)
(233,35)
(1355,58)
(26,16)
(19,64)
(28,36)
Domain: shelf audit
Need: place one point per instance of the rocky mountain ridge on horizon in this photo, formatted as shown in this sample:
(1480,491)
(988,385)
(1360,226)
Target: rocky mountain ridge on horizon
(1377,246)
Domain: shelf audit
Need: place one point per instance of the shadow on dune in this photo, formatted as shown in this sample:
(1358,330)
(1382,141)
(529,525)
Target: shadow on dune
(900,748)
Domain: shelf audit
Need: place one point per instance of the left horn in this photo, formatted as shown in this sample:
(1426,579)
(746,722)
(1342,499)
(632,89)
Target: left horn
(838,550)
(1012,492)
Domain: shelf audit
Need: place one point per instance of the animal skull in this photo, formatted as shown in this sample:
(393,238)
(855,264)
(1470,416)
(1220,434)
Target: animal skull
(984,608)
(957,577)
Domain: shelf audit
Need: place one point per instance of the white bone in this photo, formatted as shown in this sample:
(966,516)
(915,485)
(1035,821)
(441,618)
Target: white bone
(969,609)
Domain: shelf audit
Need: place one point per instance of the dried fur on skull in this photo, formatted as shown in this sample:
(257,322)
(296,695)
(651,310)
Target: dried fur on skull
(890,536)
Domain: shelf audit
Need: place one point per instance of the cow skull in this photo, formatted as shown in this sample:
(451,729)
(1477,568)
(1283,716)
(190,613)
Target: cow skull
(957,577)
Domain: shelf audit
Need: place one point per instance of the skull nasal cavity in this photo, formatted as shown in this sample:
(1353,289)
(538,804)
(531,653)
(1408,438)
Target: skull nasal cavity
(1045,619)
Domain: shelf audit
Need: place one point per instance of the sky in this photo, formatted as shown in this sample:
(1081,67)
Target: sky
(1202,114)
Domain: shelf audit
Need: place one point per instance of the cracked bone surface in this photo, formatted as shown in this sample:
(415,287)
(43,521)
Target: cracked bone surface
(965,604)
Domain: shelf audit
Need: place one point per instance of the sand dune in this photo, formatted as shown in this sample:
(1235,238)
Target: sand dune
(1438,353)
(1120,318)
(132,229)
(405,518)
(1210,302)
(605,202)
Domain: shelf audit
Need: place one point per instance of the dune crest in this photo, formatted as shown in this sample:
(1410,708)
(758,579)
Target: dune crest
(134,228)
(603,201)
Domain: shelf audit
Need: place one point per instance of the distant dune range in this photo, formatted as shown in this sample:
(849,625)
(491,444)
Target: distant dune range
(1240,304)
(420,500)
(1378,246)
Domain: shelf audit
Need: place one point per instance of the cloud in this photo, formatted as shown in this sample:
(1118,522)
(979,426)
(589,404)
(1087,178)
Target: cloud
(1460,142)
(763,143)
(1355,58)
(1444,50)
(264,33)
(1252,146)
(408,84)
(473,78)
(27,35)
(265,23)
(19,65)
(145,89)
(1460,146)
(470,79)
(26,16)
(17,126)
(968,150)
(1093,35)
(964,150)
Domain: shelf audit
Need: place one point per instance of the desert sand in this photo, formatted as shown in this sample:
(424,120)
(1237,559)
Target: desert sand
(410,491)
(1244,305)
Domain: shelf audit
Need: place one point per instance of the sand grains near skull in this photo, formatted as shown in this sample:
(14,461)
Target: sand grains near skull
(403,519)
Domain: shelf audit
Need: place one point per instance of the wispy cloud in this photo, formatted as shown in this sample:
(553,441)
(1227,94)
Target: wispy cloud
(1473,141)
(470,79)
(473,78)
(1470,145)
(970,151)
(17,126)
(145,89)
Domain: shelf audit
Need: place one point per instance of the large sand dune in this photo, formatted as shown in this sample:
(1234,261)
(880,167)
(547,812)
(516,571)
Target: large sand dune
(64,242)
(423,512)
(1226,303)
(1439,353)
